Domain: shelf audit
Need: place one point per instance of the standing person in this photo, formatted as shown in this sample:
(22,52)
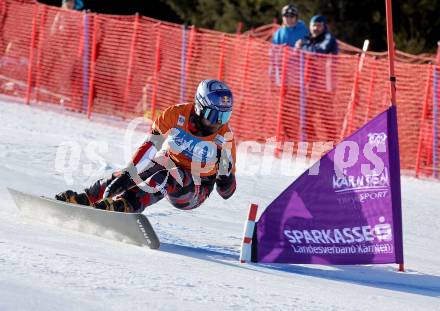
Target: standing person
(190,151)
(320,40)
(320,119)
(72,4)
(292,29)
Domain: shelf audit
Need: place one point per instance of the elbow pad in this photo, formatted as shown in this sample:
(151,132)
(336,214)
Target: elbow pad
(226,185)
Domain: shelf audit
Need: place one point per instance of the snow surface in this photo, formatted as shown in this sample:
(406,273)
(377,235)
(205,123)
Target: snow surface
(44,267)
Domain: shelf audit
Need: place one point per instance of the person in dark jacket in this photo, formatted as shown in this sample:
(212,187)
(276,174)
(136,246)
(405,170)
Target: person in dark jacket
(320,40)
(320,90)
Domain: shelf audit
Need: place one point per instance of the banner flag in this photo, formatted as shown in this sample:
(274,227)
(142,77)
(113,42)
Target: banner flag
(346,209)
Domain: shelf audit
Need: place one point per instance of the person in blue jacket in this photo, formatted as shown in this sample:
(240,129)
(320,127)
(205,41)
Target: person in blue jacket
(72,4)
(321,40)
(292,29)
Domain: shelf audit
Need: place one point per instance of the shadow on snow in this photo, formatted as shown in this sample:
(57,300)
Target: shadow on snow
(385,277)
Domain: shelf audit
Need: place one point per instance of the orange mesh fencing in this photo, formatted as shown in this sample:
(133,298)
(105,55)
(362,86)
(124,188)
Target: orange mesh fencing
(128,66)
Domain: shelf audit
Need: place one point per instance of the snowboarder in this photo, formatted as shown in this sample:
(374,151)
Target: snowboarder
(190,150)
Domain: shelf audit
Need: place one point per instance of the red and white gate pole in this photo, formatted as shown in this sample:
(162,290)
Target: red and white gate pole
(246,244)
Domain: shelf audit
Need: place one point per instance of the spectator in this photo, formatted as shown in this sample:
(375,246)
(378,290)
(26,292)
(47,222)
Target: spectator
(320,40)
(320,119)
(292,29)
(72,4)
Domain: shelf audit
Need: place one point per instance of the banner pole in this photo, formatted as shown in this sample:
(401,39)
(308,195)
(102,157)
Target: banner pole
(390,41)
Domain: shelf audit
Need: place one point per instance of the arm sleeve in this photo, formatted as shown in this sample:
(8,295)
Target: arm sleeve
(276,37)
(328,45)
(225,180)
(162,125)
(143,156)
(166,121)
(334,46)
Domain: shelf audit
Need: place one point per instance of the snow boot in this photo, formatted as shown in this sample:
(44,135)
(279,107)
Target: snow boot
(70,196)
(116,205)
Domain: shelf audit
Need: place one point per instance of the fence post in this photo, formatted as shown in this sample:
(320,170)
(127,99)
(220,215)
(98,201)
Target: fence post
(93,65)
(246,65)
(435,116)
(183,64)
(222,58)
(190,47)
(348,122)
(39,54)
(85,71)
(302,97)
(31,53)
(130,63)
(422,120)
(241,89)
(282,94)
(239,28)
(370,90)
(156,73)
(274,26)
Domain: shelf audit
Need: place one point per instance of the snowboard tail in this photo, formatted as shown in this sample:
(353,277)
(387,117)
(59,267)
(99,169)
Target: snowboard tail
(133,228)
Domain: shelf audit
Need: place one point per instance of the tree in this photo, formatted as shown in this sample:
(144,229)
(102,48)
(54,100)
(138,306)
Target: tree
(415,21)
(226,14)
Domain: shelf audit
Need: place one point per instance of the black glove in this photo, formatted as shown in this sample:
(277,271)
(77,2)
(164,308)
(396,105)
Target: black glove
(226,185)
(120,184)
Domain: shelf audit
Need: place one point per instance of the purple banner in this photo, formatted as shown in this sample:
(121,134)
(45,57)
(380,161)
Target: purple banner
(345,209)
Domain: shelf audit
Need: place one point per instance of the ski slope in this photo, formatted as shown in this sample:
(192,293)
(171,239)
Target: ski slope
(45,267)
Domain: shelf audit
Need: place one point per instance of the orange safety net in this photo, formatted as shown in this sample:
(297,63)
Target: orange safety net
(128,66)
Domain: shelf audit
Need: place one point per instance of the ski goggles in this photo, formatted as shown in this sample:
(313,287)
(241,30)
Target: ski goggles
(215,116)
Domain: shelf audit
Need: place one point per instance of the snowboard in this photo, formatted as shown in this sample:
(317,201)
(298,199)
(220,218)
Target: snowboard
(132,228)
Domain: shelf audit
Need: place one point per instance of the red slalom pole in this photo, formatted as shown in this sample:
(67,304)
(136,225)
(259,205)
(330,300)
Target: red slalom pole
(246,244)
(390,40)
